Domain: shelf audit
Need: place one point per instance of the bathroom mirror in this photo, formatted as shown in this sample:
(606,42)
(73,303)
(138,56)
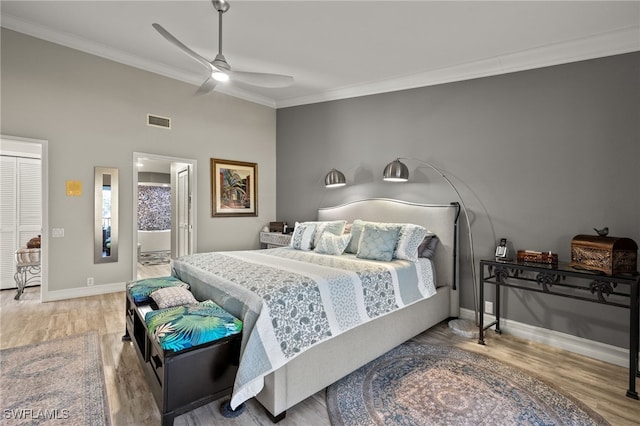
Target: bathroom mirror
(105,247)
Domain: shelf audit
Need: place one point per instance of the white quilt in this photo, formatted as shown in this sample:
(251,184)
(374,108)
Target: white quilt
(290,300)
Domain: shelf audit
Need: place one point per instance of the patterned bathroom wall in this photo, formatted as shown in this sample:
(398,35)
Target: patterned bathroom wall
(154,208)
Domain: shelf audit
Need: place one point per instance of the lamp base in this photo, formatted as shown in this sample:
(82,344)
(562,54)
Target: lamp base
(464,328)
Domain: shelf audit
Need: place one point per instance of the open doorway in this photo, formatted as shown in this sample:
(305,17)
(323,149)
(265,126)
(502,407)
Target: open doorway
(164,212)
(23,218)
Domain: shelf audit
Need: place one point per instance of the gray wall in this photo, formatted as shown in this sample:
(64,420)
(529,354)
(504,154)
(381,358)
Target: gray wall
(538,156)
(93,113)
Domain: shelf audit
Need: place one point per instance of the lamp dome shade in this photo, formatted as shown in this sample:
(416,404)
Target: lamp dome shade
(334,178)
(396,171)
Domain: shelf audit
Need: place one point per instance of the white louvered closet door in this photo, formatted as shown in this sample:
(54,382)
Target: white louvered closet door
(21,211)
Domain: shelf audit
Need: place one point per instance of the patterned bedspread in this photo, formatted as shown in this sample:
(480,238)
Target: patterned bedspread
(291,300)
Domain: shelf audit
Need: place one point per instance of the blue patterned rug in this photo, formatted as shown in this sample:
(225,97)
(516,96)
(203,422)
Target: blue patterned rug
(419,384)
(57,382)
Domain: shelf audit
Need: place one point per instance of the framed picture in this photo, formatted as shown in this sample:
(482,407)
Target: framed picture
(234,188)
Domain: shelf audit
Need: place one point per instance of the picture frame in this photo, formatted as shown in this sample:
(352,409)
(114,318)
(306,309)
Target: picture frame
(234,188)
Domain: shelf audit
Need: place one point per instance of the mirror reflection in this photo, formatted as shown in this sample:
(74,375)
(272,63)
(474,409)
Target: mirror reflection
(106,215)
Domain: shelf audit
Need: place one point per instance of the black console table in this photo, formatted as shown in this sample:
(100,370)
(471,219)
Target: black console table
(620,291)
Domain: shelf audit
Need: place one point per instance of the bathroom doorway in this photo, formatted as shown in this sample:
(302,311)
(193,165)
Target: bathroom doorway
(164,212)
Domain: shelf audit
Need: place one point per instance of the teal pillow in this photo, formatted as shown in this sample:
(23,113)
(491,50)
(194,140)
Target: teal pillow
(378,242)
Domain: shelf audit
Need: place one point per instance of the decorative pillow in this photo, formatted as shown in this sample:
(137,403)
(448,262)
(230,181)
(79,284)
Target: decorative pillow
(408,242)
(332,244)
(378,242)
(172,296)
(182,327)
(141,289)
(303,234)
(335,227)
(356,231)
(428,246)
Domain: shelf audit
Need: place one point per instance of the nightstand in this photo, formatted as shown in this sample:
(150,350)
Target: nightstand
(274,239)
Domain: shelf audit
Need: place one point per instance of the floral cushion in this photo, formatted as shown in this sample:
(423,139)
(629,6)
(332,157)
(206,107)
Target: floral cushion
(183,327)
(141,289)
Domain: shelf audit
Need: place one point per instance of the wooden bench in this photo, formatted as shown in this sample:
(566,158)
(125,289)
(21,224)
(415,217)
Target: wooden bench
(186,379)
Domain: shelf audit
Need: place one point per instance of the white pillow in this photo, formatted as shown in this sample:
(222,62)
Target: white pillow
(335,227)
(332,244)
(411,236)
(303,234)
(168,297)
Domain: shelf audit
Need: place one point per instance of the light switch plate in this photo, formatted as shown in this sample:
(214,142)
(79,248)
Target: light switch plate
(57,232)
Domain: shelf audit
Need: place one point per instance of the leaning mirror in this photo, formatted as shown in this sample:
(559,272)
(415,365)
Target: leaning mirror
(105,247)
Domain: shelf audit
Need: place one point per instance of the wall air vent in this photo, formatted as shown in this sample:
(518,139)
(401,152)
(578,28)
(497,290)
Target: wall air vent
(157,121)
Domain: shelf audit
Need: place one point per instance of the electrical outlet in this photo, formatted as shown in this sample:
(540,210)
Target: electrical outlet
(57,232)
(90,281)
(488,307)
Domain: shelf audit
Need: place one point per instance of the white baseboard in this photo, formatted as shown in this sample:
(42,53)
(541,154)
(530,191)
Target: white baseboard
(601,351)
(72,293)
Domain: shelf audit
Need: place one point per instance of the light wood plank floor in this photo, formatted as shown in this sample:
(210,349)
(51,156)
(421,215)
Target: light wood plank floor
(600,385)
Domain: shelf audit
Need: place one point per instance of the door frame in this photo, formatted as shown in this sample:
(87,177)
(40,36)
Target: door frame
(44,180)
(137,156)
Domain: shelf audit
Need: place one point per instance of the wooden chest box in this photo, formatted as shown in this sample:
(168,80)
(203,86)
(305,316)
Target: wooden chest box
(610,255)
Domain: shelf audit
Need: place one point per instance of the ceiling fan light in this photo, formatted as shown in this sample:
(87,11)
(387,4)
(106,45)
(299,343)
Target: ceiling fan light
(220,76)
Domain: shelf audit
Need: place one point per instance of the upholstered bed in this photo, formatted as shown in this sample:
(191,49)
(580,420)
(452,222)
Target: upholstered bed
(299,334)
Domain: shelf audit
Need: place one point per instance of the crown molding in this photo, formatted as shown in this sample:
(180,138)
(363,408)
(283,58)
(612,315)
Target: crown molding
(617,42)
(68,40)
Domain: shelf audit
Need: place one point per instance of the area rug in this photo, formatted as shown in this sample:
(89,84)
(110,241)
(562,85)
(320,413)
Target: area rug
(154,258)
(419,384)
(55,382)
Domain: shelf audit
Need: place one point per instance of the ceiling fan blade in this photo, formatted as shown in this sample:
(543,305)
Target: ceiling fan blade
(166,34)
(207,86)
(259,79)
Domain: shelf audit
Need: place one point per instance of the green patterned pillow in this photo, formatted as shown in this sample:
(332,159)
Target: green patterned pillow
(378,242)
(182,327)
(332,244)
(141,289)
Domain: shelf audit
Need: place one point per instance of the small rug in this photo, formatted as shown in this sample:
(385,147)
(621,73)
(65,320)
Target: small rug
(419,384)
(55,382)
(154,258)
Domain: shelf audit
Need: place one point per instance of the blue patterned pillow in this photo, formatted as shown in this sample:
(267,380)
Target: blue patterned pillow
(183,327)
(356,231)
(410,238)
(378,242)
(141,289)
(303,234)
(332,244)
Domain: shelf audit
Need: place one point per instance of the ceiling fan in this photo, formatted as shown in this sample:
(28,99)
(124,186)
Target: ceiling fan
(219,68)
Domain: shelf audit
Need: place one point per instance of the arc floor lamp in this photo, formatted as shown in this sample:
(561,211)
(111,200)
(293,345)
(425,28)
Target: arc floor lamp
(397,171)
